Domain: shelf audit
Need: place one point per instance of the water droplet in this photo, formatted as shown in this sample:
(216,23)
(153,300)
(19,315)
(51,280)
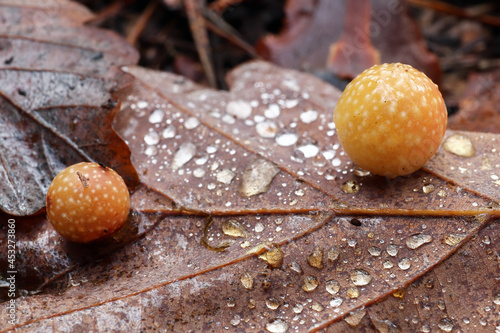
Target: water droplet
(332,254)
(336,302)
(169,132)
(151,151)
(352,242)
(392,250)
(225,176)
(446,325)
(317,307)
(426,329)
(142,104)
(309,116)
(361,172)
(332,287)
(400,293)
(273,111)
(251,303)
(360,277)
(294,266)
(415,241)
(350,187)
(230,302)
(404,263)
(259,227)
(286,139)
(152,138)
(354,318)
(183,155)
(385,326)
(300,192)
(156,116)
(352,292)
(428,188)
(257,177)
(310,283)
(486,240)
(236,320)
(460,145)
(453,239)
(387,264)
(199,172)
(315,259)
(375,251)
(246,280)
(308,150)
(233,228)
(272,303)
(277,326)
(266,129)
(239,109)
(191,123)
(298,308)
(273,257)
(441,305)
(496,299)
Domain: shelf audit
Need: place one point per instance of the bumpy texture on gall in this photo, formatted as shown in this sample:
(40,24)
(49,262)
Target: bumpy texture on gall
(391,119)
(87,202)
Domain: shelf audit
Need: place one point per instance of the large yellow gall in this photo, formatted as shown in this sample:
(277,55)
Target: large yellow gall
(391,119)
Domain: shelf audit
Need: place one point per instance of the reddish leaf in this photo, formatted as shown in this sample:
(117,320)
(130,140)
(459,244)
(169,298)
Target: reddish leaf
(250,217)
(313,26)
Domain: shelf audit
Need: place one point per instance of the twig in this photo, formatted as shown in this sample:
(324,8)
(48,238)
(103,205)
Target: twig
(139,26)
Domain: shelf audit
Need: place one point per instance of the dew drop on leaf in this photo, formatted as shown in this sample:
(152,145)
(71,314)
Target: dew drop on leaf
(453,239)
(460,145)
(375,251)
(183,155)
(236,320)
(415,241)
(225,176)
(336,302)
(239,109)
(266,129)
(317,307)
(233,228)
(274,257)
(298,308)
(230,302)
(308,150)
(332,287)
(294,266)
(428,188)
(277,326)
(446,325)
(169,132)
(309,116)
(315,259)
(246,280)
(257,177)
(352,292)
(361,172)
(354,318)
(387,264)
(156,116)
(310,283)
(332,254)
(152,138)
(199,172)
(273,111)
(360,277)
(404,264)
(392,250)
(272,303)
(191,123)
(286,139)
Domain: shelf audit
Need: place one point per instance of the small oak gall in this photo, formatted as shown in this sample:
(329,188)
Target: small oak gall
(391,119)
(87,202)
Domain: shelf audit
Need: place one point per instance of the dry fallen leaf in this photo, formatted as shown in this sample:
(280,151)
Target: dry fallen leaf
(249,217)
